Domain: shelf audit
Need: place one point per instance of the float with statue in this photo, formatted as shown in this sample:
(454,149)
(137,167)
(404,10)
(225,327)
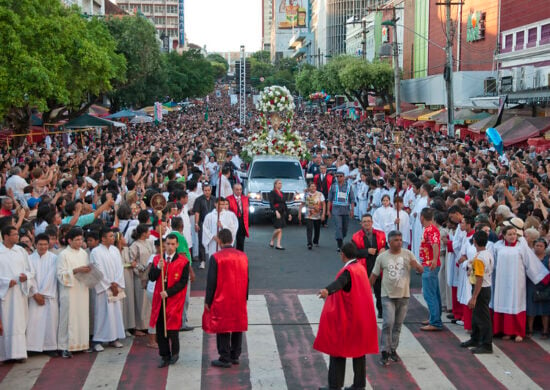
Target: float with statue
(276,113)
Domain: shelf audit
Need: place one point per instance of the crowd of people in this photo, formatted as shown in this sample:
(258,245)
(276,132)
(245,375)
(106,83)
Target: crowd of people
(80,235)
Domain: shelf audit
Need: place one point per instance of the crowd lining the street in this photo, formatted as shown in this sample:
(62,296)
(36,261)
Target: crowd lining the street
(476,223)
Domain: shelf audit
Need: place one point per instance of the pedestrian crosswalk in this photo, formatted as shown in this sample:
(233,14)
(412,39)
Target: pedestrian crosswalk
(278,354)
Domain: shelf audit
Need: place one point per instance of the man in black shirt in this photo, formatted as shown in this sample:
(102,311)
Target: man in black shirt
(203,205)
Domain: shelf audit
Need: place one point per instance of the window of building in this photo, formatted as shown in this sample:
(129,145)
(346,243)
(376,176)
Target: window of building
(158,20)
(545,34)
(159,9)
(172,9)
(532,37)
(520,38)
(508,42)
(146,9)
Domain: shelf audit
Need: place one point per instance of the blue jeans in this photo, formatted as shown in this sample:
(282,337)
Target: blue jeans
(430,290)
(341,223)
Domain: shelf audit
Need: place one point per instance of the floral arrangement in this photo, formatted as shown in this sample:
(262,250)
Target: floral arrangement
(275,99)
(276,106)
(317,96)
(275,143)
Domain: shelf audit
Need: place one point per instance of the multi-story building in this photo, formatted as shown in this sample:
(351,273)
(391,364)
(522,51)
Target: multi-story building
(474,37)
(289,18)
(89,7)
(523,57)
(318,27)
(267,20)
(166,15)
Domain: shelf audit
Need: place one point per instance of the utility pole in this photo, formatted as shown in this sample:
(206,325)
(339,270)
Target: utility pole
(242,89)
(364,38)
(448,73)
(396,70)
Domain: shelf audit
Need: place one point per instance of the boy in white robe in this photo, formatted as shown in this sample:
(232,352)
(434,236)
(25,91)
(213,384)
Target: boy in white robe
(417,229)
(16,275)
(43,305)
(211,226)
(73,331)
(108,320)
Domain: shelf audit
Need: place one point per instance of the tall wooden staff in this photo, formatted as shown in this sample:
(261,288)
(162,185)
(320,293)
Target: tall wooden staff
(158,202)
(397,217)
(220,155)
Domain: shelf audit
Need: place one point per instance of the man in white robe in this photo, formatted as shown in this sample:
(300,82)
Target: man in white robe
(43,305)
(211,226)
(224,186)
(108,320)
(417,229)
(73,332)
(16,275)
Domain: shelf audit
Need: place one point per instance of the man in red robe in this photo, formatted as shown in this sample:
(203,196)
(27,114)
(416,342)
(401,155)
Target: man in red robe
(347,328)
(225,311)
(176,275)
(370,243)
(238,203)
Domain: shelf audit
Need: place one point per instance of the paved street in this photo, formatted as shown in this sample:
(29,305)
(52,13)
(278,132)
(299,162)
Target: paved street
(277,350)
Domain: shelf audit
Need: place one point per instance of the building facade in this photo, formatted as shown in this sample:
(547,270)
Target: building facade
(89,7)
(523,52)
(166,15)
(267,20)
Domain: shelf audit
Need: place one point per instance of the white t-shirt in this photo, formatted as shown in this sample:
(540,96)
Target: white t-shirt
(17,184)
(396,273)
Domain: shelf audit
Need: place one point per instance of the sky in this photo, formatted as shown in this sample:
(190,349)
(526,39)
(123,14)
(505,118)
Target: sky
(224,25)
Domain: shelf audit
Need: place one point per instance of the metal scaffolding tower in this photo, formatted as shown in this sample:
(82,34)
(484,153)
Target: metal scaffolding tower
(242,89)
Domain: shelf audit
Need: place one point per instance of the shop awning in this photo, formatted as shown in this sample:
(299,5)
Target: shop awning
(413,115)
(87,120)
(430,116)
(484,124)
(519,129)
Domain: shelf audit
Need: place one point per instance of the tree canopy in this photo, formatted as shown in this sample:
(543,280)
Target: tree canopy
(52,57)
(351,76)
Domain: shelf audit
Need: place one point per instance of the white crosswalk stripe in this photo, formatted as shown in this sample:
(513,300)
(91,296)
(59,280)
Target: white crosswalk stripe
(497,363)
(188,369)
(108,366)
(24,376)
(266,369)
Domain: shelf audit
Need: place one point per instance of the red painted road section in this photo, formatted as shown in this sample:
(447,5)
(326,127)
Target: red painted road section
(140,370)
(66,374)
(235,378)
(304,367)
(458,364)
(4,369)
(394,376)
(530,358)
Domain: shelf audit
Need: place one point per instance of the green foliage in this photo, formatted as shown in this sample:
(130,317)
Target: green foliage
(136,40)
(218,69)
(218,58)
(52,57)
(351,76)
(262,56)
(306,80)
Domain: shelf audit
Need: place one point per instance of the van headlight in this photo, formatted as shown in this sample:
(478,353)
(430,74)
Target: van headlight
(255,196)
(299,197)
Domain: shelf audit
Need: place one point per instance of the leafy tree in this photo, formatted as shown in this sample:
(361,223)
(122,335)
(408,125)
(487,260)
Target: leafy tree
(136,40)
(188,74)
(306,80)
(218,69)
(51,57)
(262,56)
(214,57)
(361,79)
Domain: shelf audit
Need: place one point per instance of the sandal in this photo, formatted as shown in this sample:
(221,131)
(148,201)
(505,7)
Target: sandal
(153,346)
(544,336)
(518,339)
(528,334)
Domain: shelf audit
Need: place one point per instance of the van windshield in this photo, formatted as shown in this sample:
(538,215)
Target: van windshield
(276,170)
